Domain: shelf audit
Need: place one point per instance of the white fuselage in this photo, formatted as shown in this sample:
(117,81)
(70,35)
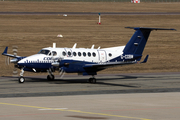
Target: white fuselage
(77,54)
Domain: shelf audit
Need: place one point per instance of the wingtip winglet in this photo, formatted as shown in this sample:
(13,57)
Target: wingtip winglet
(5,51)
(145,60)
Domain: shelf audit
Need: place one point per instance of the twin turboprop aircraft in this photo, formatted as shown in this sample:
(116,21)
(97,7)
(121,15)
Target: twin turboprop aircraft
(84,61)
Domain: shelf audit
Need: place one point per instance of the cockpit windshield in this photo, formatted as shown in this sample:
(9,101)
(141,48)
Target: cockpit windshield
(46,52)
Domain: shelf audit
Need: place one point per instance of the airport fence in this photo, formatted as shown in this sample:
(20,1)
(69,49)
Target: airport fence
(96,0)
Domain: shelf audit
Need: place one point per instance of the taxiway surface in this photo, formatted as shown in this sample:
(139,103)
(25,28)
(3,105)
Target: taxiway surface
(78,85)
(139,106)
(150,97)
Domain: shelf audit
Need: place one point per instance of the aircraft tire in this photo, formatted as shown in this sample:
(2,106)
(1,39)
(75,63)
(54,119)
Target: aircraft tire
(92,80)
(21,79)
(50,78)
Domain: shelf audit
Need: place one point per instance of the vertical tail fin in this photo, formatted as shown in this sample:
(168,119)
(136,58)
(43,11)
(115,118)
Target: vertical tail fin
(138,41)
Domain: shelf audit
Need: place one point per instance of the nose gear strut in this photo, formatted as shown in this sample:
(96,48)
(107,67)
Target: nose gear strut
(21,78)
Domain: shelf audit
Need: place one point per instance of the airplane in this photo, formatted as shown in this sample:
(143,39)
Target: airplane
(84,61)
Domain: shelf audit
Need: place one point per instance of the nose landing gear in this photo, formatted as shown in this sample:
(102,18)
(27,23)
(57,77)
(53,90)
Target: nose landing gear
(21,78)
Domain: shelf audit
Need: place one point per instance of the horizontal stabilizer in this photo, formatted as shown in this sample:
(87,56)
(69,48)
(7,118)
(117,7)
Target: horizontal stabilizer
(146,28)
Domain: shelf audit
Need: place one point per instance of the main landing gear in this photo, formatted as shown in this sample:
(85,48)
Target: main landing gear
(49,77)
(92,80)
(21,78)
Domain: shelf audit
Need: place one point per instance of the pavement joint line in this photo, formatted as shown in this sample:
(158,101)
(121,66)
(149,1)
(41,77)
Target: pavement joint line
(76,111)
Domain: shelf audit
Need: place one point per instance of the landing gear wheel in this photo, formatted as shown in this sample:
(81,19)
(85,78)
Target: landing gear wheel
(92,80)
(21,79)
(50,77)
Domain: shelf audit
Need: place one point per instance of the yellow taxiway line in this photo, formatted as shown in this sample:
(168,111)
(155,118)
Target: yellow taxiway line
(75,111)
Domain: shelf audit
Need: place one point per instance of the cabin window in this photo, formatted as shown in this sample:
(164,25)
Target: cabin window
(69,53)
(89,54)
(84,54)
(94,54)
(79,54)
(110,54)
(54,53)
(64,53)
(74,53)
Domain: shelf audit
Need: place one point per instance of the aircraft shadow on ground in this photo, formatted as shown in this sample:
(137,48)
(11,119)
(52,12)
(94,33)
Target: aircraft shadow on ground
(74,80)
(83,80)
(121,85)
(100,80)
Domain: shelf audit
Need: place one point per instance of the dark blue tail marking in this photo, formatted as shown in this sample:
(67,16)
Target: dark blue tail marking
(138,41)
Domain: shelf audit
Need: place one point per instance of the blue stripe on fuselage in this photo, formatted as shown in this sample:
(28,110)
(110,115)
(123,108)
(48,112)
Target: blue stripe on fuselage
(36,65)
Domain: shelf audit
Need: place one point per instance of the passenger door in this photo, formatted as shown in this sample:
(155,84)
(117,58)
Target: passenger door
(102,56)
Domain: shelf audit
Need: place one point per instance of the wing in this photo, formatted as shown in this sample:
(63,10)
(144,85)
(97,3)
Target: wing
(107,65)
(16,58)
(10,55)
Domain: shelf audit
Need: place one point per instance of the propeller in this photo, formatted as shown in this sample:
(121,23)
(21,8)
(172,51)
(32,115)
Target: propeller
(9,60)
(61,72)
(56,63)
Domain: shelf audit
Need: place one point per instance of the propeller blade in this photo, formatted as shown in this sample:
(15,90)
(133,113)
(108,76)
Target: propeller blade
(7,60)
(61,73)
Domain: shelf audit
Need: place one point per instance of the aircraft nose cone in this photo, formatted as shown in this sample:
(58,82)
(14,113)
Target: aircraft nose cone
(15,60)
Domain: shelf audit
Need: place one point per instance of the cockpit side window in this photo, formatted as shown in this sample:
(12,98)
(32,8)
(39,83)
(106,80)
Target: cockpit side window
(46,52)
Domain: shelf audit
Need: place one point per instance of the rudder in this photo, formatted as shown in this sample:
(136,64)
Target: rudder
(137,42)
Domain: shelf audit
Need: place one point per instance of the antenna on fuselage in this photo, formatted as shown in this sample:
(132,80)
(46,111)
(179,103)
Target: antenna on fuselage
(99,47)
(54,45)
(92,47)
(74,46)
